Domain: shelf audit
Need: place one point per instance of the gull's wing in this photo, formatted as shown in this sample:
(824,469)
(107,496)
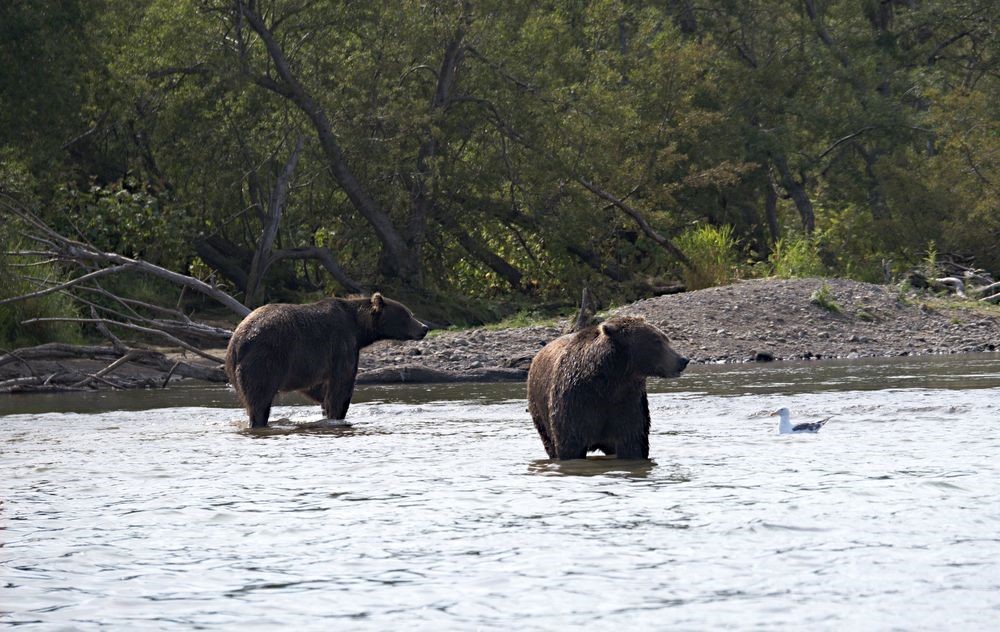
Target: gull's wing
(810,427)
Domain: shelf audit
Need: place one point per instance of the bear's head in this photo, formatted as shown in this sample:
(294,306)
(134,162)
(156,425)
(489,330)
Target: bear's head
(646,349)
(394,321)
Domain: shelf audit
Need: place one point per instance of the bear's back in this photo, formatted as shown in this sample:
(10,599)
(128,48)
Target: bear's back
(286,325)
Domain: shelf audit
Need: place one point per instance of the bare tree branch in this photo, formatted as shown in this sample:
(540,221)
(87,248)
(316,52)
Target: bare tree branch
(326,259)
(62,286)
(650,232)
(146,330)
(72,250)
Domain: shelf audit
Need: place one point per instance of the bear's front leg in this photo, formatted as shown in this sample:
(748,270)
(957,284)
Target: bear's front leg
(573,420)
(633,422)
(337,399)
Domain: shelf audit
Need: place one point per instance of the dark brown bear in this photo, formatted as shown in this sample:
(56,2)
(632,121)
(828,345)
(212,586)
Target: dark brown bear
(587,390)
(312,349)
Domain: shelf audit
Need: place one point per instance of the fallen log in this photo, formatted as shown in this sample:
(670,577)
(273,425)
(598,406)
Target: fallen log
(953,284)
(986,289)
(119,355)
(418,374)
(58,351)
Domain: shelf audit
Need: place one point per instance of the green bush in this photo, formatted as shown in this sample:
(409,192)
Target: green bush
(824,298)
(13,333)
(713,254)
(795,257)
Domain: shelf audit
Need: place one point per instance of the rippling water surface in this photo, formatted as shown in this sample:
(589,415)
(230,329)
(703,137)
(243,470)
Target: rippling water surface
(436,509)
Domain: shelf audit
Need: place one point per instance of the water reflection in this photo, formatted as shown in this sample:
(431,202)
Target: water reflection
(284,426)
(593,465)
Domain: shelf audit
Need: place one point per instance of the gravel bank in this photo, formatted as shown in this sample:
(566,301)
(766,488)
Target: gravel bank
(762,318)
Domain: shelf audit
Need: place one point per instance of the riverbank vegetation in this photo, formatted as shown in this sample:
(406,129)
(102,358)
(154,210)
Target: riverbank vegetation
(480,158)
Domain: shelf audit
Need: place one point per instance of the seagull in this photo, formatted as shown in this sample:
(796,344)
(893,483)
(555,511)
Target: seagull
(785,425)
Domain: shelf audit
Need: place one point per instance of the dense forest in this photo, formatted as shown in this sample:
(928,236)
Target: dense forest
(485,153)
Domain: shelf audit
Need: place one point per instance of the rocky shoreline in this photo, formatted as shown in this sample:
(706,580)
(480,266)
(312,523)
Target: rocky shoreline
(755,320)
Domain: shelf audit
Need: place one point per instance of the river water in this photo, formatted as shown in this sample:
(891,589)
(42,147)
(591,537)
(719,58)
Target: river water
(436,510)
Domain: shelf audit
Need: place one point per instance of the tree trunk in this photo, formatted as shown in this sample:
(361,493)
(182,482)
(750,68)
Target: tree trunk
(262,259)
(798,193)
(591,258)
(420,204)
(876,198)
(398,259)
(326,259)
(219,254)
(771,210)
(480,251)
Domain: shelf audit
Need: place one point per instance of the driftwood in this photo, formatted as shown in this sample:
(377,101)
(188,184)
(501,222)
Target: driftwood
(416,374)
(61,378)
(988,293)
(959,279)
(586,315)
(129,324)
(952,284)
(61,248)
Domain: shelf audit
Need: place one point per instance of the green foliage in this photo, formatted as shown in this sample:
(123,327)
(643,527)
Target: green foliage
(794,257)
(824,298)
(528,317)
(152,127)
(13,332)
(712,251)
(853,240)
(126,218)
(929,265)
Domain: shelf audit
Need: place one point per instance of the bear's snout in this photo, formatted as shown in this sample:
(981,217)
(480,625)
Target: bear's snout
(422,330)
(671,367)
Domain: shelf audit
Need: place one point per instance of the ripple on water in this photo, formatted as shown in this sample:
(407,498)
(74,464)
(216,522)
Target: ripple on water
(445,515)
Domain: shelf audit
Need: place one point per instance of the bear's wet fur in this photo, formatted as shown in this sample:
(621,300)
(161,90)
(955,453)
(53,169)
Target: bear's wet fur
(312,349)
(587,390)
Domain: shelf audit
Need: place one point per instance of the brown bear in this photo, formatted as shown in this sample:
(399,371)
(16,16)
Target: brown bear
(312,349)
(587,390)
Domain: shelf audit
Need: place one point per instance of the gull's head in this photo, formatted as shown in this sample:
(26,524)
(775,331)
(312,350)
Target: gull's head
(784,424)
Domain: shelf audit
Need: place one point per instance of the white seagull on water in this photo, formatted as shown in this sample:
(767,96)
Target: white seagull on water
(785,425)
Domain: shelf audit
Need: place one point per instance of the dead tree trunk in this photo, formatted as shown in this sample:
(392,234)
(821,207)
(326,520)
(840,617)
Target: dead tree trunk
(262,258)
(108,311)
(586,316)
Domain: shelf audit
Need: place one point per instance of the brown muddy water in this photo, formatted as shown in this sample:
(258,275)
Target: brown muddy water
(436,510)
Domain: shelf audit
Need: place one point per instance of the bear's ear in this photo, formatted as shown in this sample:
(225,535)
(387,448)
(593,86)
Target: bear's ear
(608,329)
(377,302)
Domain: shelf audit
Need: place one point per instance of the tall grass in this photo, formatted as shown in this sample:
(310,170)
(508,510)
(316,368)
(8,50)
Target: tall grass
(13,333)
(712,251)
(795,257)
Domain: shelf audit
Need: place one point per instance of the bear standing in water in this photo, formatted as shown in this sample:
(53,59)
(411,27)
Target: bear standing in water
(312,349)
(587,390)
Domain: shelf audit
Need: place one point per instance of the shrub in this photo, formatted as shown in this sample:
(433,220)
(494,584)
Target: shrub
(13,333)
(823,298)
(796,257)
(712,252)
